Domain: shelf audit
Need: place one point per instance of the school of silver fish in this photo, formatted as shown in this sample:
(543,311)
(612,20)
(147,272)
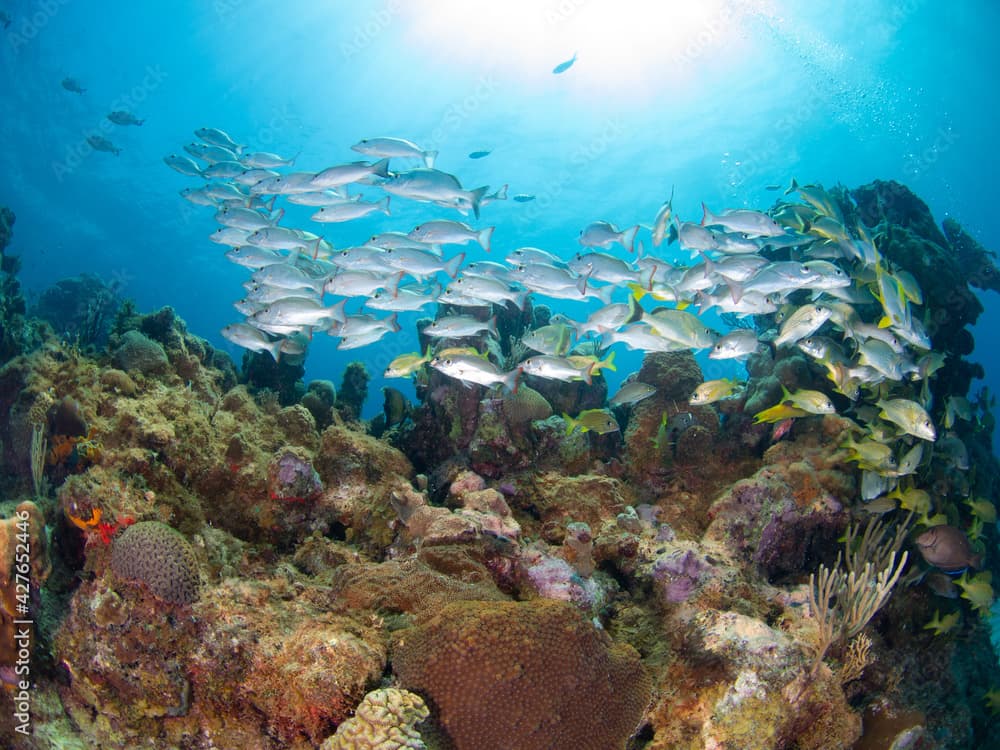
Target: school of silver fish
(802,268)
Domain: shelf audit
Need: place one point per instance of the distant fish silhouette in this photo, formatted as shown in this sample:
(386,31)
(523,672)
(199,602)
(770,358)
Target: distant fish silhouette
(564,66)
(523,197)
(480,154)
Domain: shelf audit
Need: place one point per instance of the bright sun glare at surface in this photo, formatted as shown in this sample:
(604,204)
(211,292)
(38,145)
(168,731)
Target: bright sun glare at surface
(633,49)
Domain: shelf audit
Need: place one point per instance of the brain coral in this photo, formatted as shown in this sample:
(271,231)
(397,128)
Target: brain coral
(531,675)
(385,719)
(152,553)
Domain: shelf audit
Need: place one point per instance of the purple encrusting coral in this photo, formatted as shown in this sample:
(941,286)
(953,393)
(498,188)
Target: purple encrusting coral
(679,574)
(292,477)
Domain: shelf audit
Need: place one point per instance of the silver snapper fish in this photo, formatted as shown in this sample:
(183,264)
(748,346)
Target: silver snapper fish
(350,210)
(251,338)
(556,368)
(748,223)
(475,370)
(405,298)
(399,147)
(432,185)
(451,233)
(361,283)
(460,326)
(224,170)
(526,255)
(605,234)
(211,154)
(253,257)
(299,311)
(420,263)
(484,290)
(285,184)
(740,343)
(265,160)
(631,394)
(345,174)
(250,177)
(363,325)
(329,197)
(217,137)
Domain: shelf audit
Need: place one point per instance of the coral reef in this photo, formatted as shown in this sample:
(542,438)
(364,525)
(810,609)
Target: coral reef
(12,305)
(386,719)
(79,309)
(154,555)
(223,559)
(353,391)
(523,674)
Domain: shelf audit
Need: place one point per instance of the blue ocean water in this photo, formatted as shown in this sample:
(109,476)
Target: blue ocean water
(715,100)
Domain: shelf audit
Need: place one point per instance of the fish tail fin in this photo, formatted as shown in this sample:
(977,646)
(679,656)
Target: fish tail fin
(274,349)
(476,197)
(736,291)
(672,234)
(491,326)
(483,238)
(316,244)
(638,291)
(604,293)
(393,323)
(627,238)
(521,298)
(641,250)
(512,380)
(792,187)
(384,205)
(588,373)
(429,157)
(501,194)
(608,363)
(570,423)
(703,301)
(337,311)
(707,217)
(634,308)
(452,266)
(380,168)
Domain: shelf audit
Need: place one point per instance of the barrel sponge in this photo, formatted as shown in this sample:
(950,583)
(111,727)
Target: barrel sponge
(152,553)
(385,719)
(530,675)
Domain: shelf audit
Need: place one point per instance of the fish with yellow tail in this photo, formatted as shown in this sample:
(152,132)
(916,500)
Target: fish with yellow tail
(908,416)
(406,364)
(714,390)
(941,625)
(978,591)
(600,421)
(779,412)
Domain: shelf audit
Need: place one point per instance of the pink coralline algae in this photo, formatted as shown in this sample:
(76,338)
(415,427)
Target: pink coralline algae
(680,574)
(292,477)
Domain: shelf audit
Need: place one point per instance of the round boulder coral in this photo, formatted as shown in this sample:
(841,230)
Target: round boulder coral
(153,554)
(531,675)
